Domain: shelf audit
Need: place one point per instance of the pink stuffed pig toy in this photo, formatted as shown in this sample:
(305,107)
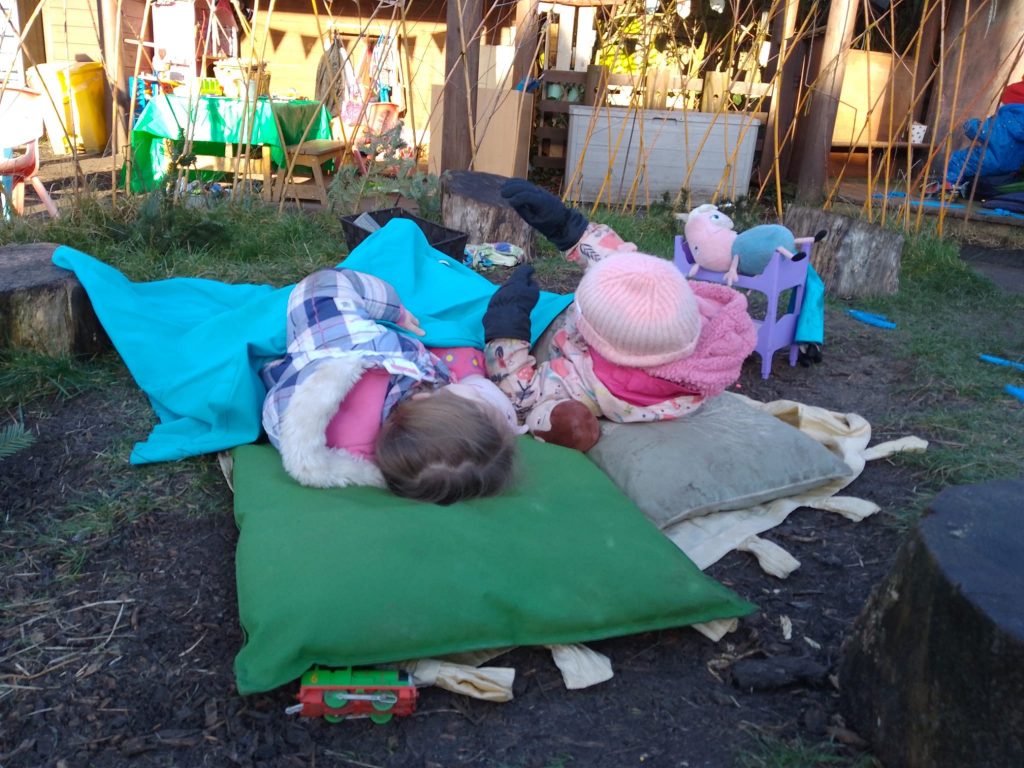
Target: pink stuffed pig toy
(710,235)
(716,246)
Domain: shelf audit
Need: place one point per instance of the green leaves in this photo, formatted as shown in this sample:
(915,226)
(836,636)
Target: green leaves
(13,438)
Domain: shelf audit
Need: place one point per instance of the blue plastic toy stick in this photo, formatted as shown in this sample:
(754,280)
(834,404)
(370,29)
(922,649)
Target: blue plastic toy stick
(872,315)
(867,317)
(1017,392)
(1000,361)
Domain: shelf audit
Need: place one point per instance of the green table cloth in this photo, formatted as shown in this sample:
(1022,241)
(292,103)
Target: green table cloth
(214,122)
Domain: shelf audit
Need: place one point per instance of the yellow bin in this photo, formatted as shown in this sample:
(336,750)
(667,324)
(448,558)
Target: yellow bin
(75,109)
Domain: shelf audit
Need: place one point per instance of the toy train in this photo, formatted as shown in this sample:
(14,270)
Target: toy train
(337,694)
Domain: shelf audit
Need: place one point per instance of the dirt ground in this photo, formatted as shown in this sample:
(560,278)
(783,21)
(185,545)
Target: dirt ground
(128,660)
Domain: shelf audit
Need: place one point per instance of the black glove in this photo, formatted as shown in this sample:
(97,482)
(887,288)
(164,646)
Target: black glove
(508,312)
(546,213)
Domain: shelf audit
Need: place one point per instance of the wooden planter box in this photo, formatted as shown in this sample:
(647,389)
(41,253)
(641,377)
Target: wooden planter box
(617,154)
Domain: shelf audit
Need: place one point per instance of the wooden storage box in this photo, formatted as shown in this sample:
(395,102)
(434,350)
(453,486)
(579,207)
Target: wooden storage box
(617,154)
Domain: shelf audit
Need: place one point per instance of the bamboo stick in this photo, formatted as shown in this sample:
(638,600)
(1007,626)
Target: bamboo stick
(115,105)
(131,103)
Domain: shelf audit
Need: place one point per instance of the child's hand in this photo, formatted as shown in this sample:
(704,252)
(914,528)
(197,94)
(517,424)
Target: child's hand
(409,322)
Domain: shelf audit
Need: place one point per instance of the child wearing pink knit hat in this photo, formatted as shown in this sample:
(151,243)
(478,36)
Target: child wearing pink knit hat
(639,343)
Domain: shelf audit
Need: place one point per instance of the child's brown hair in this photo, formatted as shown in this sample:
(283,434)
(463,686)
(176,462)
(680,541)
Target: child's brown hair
(445,448)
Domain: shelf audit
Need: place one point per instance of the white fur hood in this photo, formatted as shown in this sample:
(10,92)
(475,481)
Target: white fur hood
(303,425)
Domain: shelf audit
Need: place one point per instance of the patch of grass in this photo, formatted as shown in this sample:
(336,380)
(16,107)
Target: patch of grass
(153,237)
(100,511)
(776,753)
(949,316)
(653,230)
(28,376)
(558,761)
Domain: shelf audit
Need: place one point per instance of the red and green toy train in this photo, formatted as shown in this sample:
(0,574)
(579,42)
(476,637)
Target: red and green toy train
(337,694)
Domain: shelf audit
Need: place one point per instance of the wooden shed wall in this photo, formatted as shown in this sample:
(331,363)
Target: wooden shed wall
(294,44)
(132,13)
(71,31)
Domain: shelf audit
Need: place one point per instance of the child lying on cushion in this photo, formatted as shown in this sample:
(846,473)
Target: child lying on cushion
(356,403)
(639,343)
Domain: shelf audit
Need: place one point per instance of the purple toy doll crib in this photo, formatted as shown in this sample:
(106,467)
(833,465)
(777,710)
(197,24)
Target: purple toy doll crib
(781,274)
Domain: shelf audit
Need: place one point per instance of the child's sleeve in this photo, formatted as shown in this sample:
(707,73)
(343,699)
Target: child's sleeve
(535,389)
(511,366)
(377,298)
(598,242)
(341,309)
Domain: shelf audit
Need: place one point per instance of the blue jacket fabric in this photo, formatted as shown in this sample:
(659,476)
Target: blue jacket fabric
(998,146)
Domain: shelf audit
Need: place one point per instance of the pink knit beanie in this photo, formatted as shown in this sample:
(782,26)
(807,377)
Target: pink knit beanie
(637,310)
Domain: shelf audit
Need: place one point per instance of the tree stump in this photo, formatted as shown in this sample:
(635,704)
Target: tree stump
(933,674)
(856,259)
(44,308)
(471,202)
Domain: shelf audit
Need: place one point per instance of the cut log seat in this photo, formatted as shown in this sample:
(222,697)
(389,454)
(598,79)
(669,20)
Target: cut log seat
(856,259)
(471,202)
(44,308)
(933,672)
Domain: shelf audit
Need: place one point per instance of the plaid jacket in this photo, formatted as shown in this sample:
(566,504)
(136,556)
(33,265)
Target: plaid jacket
(333,314)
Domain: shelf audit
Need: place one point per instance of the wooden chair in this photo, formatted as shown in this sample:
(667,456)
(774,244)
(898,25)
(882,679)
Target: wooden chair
(294,182)
(317,153)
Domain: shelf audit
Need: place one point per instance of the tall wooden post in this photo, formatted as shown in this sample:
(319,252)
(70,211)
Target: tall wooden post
(462,69)
(825,101)
(924,66)
(527,32)
(779,113)
(110,44)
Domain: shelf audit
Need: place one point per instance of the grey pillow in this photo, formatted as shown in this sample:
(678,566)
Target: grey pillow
(726,455)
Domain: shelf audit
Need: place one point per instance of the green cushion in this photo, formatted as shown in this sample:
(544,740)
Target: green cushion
(358,576)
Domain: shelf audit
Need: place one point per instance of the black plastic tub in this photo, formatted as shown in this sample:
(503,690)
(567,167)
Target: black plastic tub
(450,242)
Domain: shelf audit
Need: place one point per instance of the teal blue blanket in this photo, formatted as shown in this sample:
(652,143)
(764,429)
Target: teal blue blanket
(195,346)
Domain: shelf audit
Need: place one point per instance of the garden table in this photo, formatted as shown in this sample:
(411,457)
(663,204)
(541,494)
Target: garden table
(217,125)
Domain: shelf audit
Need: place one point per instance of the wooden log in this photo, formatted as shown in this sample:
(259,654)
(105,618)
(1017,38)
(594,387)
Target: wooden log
(933,672)
(44,308)
(856,259)
(471,202)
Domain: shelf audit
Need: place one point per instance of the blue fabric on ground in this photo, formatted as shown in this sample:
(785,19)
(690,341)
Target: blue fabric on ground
(448,297)
(926,202)
(195,346)
(1007,204)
